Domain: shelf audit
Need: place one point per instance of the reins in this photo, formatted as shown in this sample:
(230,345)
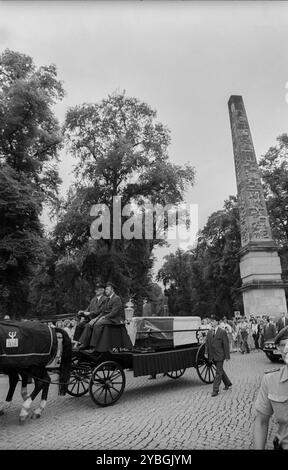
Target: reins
(46,381)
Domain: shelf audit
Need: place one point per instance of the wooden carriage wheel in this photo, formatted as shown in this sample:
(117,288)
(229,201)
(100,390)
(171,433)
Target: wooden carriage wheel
(175,374)
(107,383)
(205,369)
(79,380)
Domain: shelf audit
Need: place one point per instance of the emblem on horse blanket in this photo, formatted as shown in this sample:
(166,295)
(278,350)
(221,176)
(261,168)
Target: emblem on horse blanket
(23,341)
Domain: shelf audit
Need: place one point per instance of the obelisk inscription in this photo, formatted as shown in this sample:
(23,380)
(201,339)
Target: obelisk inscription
(254,219)
(260,268)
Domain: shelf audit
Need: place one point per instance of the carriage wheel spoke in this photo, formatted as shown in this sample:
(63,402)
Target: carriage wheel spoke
(209,374)
(114,388)
(98,378)
(175,374)
(79,382)
(115,374)
(101,390)
(98,384)
(203,370)
(111,372)
(73,386)
(102,376)
(118,377)
(110,394)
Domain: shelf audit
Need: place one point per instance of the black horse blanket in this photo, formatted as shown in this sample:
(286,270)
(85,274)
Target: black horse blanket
(25,343)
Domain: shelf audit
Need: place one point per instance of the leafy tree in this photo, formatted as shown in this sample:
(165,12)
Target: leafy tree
(58,287)
(42,292)
(121,152)
(30,136)
(29,142)
(222,236)
(205,280)
(155,301)
(274,172)
(21,242)
(177,273)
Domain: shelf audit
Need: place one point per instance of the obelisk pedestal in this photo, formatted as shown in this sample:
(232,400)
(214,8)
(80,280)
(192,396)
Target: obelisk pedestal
(260,268)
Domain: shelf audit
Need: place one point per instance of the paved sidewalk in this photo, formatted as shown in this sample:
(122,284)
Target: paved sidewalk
(151,414)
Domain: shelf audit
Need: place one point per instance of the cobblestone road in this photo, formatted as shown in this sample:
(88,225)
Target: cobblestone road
(151,414)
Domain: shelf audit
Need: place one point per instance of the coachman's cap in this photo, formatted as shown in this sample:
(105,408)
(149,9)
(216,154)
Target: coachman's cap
(99,285)
(283,334)
(109,283)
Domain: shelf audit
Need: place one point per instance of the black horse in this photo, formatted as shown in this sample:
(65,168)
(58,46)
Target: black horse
(13,376)
(26,348)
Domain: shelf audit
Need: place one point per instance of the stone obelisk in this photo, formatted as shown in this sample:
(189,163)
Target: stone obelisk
(260,268)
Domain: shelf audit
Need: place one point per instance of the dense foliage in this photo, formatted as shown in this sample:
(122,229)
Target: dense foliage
(29,143)
(204,281)
(121,152)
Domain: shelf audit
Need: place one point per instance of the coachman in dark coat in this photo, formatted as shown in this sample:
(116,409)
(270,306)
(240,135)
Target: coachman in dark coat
(95,309)
(109,330)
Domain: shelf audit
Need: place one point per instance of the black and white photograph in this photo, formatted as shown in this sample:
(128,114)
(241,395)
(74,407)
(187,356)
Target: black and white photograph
(143,229)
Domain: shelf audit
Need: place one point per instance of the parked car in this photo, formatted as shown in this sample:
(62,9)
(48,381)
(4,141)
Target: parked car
(271,351)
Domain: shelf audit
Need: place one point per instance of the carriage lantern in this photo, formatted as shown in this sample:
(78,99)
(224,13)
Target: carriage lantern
(129,310)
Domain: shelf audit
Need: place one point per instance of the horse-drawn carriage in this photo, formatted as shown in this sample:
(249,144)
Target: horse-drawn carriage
(167,345)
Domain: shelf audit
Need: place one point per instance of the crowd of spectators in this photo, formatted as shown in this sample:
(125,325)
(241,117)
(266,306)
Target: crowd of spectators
(246,334)
(67,325)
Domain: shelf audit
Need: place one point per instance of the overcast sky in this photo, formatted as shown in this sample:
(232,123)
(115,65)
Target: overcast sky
(184,58)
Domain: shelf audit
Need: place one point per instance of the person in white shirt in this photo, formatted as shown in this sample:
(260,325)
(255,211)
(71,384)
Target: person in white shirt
(242,334)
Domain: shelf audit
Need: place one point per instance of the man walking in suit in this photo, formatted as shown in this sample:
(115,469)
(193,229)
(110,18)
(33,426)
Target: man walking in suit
(281,322)
(217,349)
(95,311)
(269,331)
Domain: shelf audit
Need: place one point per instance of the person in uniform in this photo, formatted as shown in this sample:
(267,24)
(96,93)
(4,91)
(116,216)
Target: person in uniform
(95,309)
(95,312)
(109,331)
(273,399)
